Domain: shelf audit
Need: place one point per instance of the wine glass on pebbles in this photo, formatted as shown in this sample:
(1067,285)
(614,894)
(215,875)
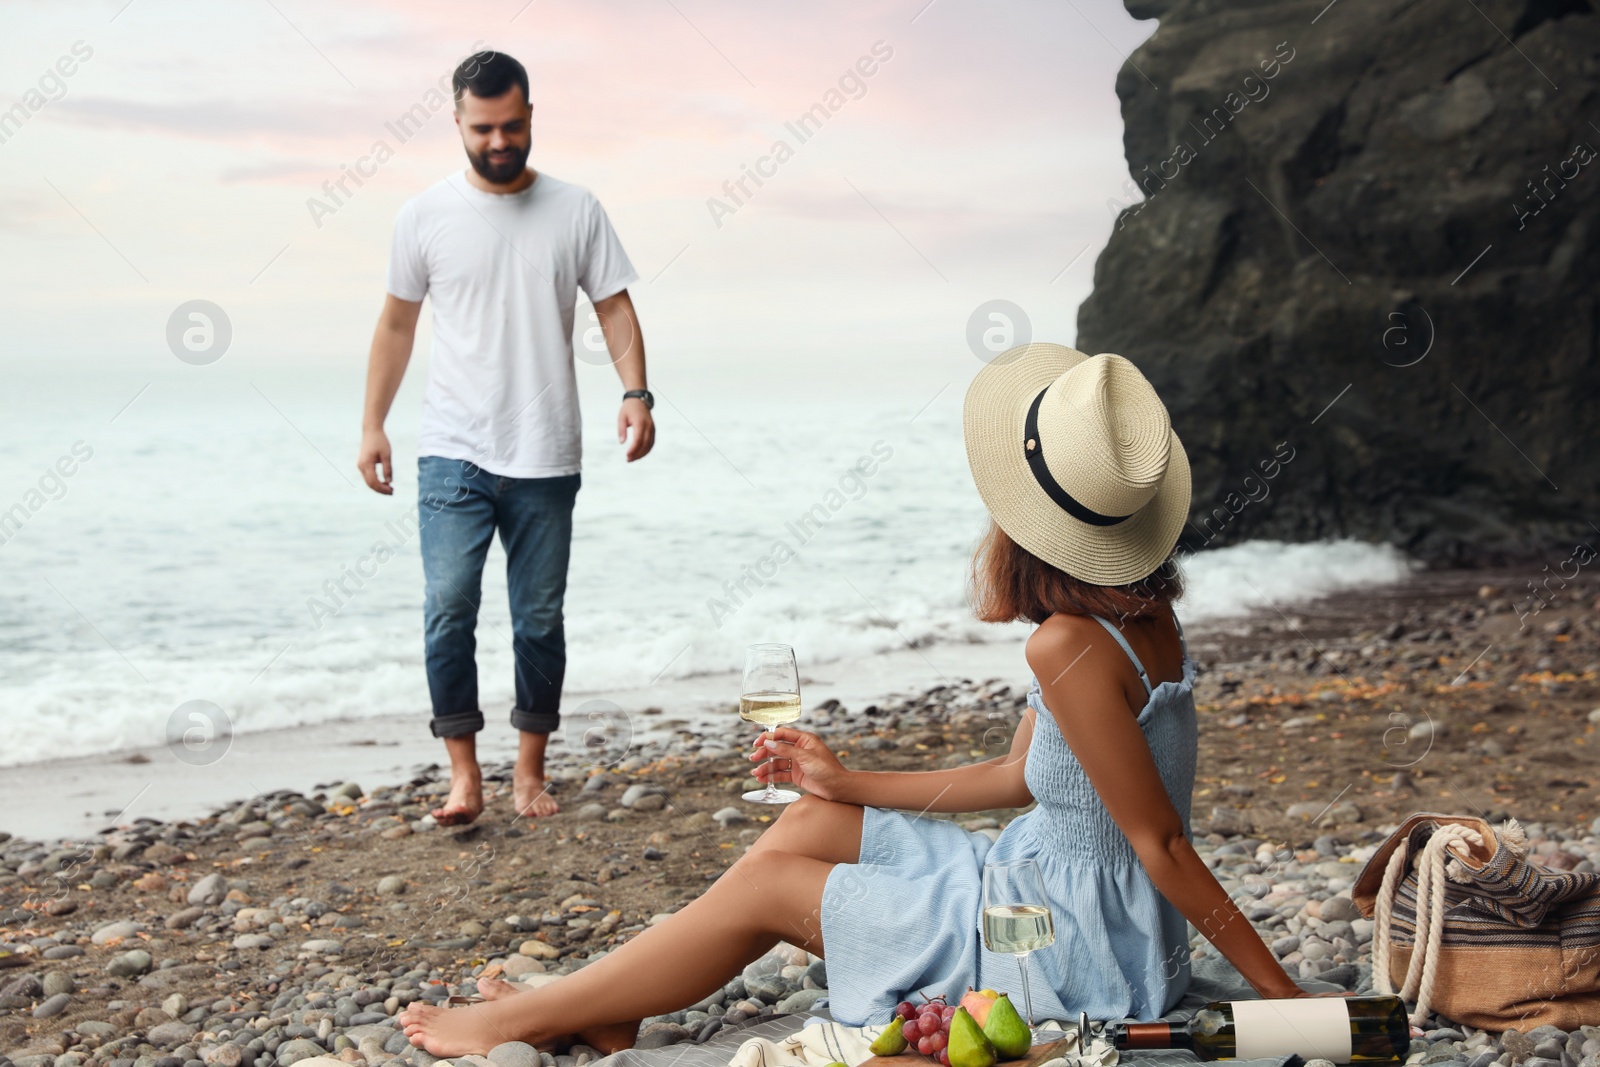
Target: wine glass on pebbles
(771,697)
(1016,917)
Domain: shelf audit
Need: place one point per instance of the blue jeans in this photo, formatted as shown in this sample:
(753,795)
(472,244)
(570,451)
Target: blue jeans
(460,506)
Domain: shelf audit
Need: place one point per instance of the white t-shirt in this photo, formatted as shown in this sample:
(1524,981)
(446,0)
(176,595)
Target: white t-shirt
(503,272)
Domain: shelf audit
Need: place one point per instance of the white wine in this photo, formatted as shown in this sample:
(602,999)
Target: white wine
(1341,1029)
(770,709)
(1017,928)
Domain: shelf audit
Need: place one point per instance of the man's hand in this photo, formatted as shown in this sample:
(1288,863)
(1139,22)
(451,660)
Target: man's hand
(620,324)
(374,454)
(391,351)
(634,416)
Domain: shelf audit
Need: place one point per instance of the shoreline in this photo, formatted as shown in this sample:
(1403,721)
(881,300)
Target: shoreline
(81,796)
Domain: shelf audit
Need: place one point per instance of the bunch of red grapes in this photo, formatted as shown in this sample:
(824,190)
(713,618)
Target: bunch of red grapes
(927,1027)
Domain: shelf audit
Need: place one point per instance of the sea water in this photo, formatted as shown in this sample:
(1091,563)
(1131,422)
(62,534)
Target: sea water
(216,543)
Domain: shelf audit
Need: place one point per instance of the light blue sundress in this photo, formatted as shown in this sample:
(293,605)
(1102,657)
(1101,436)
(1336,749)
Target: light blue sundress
(906,918)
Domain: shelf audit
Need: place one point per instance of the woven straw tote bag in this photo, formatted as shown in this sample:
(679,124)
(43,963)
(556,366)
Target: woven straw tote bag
(1467,925)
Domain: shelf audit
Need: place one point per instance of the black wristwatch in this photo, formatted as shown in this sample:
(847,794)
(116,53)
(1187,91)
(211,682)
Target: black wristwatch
(642,394)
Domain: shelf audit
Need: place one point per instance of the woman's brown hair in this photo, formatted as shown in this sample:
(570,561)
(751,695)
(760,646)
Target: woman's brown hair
(1010,583)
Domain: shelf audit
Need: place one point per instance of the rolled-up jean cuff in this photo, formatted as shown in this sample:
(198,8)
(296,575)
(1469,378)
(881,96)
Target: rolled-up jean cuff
(535,722)
(459,725)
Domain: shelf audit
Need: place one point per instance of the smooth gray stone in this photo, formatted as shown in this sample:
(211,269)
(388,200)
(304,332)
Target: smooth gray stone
(801,1000)
(170,1035)
(768,987)
(52,1006)
(818,973)
(1344,974)
(301,1048)
(129,964)
(24,986)
(209,890)
(662,1035)
(514,1054)
(1339,908)
(122,929)
(639,790)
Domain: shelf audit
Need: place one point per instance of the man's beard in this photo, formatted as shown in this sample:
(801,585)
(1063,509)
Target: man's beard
(500,171)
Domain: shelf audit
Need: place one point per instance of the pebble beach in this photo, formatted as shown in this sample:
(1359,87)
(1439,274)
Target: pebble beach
(291,926)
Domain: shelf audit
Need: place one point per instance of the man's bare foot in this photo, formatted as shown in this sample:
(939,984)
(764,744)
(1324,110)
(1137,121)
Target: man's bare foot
(530,795)
(464,804)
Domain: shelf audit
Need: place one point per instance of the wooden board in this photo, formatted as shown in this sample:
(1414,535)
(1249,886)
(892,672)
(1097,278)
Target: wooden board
(909,1058)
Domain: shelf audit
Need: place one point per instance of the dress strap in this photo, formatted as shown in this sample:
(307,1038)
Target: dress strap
(1183,644)
(1116,633)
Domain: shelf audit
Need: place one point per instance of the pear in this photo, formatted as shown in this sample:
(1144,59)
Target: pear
(1006,1031)
(968,1047)
(891,1042)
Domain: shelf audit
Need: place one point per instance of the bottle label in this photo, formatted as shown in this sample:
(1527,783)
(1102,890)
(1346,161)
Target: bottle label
(1149,1035)
(1312,1027)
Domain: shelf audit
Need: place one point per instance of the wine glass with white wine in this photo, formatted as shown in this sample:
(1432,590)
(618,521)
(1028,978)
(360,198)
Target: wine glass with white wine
(1016,917)
(771,697)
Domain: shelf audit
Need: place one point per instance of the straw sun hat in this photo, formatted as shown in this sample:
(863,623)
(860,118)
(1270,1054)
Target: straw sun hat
(1075,458)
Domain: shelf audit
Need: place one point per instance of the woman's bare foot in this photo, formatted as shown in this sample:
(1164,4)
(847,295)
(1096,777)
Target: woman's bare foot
(530,795)
(471,1029)
(497,988)
(474,1029)
(500,989)
(464,804)
(607,1039)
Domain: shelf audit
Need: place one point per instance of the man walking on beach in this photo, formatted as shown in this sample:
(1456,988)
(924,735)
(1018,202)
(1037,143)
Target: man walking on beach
(501,249)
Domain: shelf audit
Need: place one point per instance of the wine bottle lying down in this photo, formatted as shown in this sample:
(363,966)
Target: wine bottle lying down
(1341,1029)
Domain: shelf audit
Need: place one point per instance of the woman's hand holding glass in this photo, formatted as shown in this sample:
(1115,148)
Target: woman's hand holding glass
(801,758)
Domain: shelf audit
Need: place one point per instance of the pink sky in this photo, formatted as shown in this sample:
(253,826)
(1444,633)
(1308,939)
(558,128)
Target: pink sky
(179,158)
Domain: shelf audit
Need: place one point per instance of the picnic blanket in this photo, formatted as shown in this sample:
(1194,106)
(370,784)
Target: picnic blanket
(812,1039)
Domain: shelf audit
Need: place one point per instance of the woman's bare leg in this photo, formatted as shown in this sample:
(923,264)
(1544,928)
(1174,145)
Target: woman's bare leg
(770,893)
(822,829)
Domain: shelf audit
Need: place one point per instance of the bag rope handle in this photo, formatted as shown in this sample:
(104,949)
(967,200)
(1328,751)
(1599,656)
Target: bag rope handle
(1431,882)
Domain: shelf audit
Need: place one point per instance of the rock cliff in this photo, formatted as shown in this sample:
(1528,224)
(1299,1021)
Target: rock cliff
(1360,251)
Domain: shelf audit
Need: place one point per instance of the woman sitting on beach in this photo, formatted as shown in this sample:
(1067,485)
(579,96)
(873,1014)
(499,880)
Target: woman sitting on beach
(1087,488)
